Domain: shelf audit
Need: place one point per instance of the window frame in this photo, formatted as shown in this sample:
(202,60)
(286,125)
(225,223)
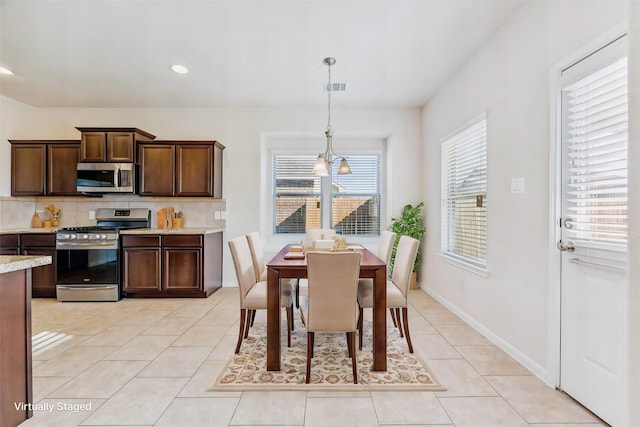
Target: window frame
(326,195)
(447,255)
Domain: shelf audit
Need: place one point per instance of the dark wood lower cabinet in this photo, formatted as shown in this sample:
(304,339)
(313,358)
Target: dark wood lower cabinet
(16,390)
(44,277)
(175,265)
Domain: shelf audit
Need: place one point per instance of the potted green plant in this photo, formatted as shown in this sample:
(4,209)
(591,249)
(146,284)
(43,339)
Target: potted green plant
(409,223)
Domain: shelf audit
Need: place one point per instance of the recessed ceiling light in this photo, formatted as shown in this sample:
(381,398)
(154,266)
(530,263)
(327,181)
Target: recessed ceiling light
(5,71)
(180,69)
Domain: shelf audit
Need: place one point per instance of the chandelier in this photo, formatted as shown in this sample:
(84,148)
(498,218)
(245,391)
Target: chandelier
(326,159)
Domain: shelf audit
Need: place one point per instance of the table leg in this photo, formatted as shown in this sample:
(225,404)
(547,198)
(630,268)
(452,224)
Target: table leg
(380,320)
(273,320)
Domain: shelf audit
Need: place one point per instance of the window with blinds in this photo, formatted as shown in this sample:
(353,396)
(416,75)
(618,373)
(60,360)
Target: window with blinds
(595,121)
(299,195)
(464,195)
(296,192)
(355,197)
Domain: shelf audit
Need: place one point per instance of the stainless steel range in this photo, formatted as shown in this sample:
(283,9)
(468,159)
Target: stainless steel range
(88,266)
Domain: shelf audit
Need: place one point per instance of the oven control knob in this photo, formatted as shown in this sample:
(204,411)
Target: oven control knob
(63,236)
(73,236)
(84,236)
(104,236)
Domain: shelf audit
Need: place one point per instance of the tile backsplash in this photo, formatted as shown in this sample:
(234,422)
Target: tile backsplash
(198,212)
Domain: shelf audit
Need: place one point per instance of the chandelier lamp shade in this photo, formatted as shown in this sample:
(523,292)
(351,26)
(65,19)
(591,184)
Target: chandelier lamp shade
(326,159)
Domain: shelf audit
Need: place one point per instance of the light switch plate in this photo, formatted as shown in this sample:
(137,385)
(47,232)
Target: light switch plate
(517,185)
(216,215)
(92,214)
(223,215)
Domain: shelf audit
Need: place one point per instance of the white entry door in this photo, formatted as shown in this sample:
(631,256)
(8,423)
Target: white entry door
(594,233)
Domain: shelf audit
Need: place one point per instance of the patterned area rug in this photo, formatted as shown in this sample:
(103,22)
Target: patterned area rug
(330,367)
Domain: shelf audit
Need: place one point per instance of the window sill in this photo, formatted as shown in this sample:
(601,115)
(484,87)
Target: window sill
(480,271)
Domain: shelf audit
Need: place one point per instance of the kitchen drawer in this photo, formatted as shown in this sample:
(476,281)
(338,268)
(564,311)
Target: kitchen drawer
(38,240)
(141,241)
(8,241)
(182,240)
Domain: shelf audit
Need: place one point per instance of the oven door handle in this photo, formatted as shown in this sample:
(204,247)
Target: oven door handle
(86,244)
(86,288)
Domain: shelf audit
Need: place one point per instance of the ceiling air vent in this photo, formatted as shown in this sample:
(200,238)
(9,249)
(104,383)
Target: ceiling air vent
(336,87)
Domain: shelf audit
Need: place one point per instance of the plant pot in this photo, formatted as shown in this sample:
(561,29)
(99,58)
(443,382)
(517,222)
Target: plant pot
(413,284)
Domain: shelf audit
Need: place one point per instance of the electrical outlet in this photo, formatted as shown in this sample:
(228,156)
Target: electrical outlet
(223,215)
(216,215)
(92,214)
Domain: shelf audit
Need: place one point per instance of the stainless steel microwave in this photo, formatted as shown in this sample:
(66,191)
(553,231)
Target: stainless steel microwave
(106,178)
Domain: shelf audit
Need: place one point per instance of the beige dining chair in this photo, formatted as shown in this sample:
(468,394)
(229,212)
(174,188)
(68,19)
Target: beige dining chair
(253,293)
(385,249)
(397,288)
(331,302)
(260,268)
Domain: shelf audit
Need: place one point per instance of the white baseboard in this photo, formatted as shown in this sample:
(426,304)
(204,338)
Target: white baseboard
(520,357)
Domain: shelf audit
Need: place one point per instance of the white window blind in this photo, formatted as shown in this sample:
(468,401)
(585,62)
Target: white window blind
(595,121)
(296,192)
(355,197)
(464,195)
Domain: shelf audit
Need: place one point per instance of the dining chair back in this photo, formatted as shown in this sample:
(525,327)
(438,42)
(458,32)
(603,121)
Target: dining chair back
(260,268)
(385,247)
(396,289)
(253,293)
(331,303)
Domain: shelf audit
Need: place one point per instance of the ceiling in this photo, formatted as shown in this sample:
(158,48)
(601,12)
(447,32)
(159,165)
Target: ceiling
(262,53)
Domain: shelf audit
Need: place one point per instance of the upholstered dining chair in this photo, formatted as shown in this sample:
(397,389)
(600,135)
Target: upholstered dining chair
(397,288)
(385,249)
(260,268)
(320,234)
(331,302)
(253,293)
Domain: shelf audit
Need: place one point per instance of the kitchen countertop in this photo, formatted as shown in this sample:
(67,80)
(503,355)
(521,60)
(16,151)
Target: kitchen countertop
(28,230)
(184,230)
(9,263)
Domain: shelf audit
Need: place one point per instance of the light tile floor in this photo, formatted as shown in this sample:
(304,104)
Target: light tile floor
(149,362)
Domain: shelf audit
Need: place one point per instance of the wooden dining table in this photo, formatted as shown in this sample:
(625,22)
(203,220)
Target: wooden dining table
(370,267)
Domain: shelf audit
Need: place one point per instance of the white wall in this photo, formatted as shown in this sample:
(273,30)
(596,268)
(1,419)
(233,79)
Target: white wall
(241,130)
(17,121)
(509,78)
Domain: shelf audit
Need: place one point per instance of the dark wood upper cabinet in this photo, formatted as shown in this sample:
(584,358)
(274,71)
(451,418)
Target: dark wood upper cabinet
(28,169)
(181,168)
(156,169)
(194,170)
(46,167)
(111,144)
(61,169)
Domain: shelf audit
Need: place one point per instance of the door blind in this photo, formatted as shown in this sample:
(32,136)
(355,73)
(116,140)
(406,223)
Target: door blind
(464,195)
(595,126)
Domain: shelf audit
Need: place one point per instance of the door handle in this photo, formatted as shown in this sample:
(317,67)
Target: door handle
(566,248)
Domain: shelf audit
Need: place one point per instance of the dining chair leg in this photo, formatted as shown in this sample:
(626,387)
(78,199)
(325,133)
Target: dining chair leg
(247,323)
(399,322)
(351,343)
(298,293)
(289,320)
(241,329)
(360,326)
(309,356)
(405,320)
(292,326)
(393,317)
(253,317)
(348,345)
